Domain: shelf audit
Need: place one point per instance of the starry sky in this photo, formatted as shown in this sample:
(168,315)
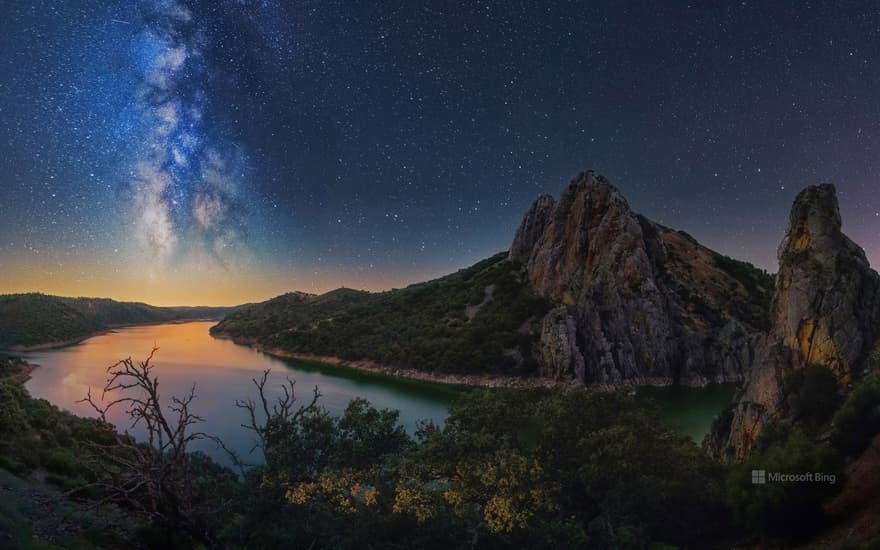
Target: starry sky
(224,151)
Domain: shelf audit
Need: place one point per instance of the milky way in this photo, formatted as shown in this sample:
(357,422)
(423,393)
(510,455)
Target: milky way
(183,185)
(222,151)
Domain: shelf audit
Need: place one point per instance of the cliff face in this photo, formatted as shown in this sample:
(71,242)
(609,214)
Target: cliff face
(826,311)
(637,302)
(532,227)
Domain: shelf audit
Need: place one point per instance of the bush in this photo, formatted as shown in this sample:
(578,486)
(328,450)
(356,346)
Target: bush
(858,419)
(815,396)
(423,326)
(784,509)
(13,419)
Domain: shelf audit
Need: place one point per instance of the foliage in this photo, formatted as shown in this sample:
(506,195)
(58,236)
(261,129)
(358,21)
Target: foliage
(88,459)
(813,395)
(425,326)
(511,468)
(525,468)
(858,419)
(759,285)
(160,479)
(35,319)
(10,366)
(757,281)
(788,509)
(34,434)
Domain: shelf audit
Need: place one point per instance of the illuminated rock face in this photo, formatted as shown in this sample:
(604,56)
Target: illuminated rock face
(826,311)
(637,303)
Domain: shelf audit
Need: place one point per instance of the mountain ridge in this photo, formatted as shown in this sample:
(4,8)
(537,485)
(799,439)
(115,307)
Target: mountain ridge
(35,320)
(536,341)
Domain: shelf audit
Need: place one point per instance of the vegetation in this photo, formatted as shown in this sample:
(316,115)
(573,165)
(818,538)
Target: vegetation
(758,284)
(477,320)
(813,396)
(86,464)
(858,419)
(790,510)
(36,435)
(511,468)
(757,281)
(37,319)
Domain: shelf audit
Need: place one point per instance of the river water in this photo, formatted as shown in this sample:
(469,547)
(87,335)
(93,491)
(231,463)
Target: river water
(223,371)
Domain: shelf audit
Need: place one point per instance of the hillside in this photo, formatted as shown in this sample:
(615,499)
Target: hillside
(589,290)
(481,319)
(28,320)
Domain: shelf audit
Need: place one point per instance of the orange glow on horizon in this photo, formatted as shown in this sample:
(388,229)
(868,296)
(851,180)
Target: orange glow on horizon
(208,287)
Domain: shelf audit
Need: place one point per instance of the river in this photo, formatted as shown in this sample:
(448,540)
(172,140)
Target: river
(223,371)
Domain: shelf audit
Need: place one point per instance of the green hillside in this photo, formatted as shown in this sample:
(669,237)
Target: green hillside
(476,320)
(38,319)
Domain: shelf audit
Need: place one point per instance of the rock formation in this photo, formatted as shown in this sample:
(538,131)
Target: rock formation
(826,311)
(532,227)
(637,302)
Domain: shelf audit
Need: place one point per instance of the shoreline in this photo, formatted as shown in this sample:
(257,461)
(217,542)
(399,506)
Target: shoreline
(469,380)
(24,374)
(369,366)
(109,330)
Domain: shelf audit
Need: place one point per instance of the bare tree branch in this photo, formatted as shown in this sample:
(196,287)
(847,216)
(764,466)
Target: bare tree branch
(156,478)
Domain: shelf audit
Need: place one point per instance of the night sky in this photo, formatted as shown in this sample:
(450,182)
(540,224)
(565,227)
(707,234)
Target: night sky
(225,151)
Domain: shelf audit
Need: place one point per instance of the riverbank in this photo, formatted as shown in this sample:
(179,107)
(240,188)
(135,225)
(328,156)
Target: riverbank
(366,365)
(24,374)
(16,369)
(108,330)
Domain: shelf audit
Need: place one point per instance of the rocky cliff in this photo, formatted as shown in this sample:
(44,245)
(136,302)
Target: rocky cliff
(826,311)
(636,302)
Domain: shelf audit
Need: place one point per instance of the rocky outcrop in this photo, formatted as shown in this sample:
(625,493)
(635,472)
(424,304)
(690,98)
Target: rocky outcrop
(638,302)
(560,355)
(531,228)
(826,311)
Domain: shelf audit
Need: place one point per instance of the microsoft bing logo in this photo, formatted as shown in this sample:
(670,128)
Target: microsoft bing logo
(759,477)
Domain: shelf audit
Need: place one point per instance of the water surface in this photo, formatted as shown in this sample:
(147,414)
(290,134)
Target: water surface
(223,373)
(690,411)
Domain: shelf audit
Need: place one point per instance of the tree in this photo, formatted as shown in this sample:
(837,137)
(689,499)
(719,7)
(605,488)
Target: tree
(788,509)
(858,419)
(159,479)
(814,395)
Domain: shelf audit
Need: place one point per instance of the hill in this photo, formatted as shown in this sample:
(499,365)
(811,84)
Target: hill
(590,290)
(480,319)
(33,320)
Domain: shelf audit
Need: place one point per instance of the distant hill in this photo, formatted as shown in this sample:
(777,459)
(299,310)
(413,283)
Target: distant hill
(30,320)
(483,319)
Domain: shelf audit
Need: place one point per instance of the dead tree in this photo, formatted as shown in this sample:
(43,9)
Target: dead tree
(156,477)
(275,419)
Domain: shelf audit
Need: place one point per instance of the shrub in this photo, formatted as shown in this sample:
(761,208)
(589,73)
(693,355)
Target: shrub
(814,395)
(786,509)
(13,419)
(858,419)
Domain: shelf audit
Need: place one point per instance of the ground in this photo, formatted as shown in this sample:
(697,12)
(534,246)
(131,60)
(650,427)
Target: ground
(34,515)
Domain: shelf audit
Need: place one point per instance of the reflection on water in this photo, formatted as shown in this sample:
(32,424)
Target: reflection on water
(690,411)
(222,372)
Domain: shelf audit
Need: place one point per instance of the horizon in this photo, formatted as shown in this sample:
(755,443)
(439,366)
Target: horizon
(197,152)
(319,290)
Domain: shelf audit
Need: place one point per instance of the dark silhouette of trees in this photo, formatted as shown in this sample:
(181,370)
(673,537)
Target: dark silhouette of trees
(158,478)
